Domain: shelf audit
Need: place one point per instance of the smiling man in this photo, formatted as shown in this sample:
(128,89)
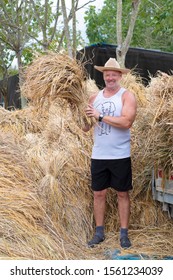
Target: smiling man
(114,108)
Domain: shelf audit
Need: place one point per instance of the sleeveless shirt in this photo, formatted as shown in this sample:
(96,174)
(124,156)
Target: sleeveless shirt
(110,142)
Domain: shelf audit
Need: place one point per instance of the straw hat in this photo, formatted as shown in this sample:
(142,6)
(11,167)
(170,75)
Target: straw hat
(113,65)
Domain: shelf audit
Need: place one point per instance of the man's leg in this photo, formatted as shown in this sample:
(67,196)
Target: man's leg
(99,206)
(99,214)
(124,214)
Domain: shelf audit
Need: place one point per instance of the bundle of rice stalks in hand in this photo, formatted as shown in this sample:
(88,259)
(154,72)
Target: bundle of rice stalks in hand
(56,77)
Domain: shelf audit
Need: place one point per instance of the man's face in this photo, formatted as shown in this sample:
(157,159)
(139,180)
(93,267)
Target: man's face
(111,78)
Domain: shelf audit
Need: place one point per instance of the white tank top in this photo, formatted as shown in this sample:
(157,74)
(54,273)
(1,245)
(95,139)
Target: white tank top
(110,142)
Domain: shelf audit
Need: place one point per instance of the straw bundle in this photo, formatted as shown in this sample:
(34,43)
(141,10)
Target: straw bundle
(159,113)
(51,77)
(134,84)
(23,121)
(20,211)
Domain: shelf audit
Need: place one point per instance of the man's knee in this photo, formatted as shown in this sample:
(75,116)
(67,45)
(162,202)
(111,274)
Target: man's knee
(100,195)
(123,195)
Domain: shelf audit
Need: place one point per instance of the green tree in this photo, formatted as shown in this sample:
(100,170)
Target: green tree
(13,31)
(153,28)
(6,58)
(109,25)
(37,25)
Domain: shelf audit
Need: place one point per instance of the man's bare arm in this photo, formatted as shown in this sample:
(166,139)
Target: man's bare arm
(128,112)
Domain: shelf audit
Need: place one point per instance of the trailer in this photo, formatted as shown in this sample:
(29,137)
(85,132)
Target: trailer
(162,190)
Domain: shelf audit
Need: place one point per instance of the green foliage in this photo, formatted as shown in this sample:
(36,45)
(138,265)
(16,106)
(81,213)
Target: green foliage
(153,28)
(97,24)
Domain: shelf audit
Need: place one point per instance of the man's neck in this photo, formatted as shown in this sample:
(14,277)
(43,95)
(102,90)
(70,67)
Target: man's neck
(110,91)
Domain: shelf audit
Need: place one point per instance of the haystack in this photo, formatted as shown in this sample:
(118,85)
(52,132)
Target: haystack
(160,146)
(55,154)
(153,129)
(47,209)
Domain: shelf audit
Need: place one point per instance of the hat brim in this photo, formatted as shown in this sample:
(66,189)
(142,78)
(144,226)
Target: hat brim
(103,68)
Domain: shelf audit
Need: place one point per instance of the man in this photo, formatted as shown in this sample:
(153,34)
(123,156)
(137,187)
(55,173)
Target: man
(114,108)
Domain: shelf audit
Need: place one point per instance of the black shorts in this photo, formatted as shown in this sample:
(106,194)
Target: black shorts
(113,173)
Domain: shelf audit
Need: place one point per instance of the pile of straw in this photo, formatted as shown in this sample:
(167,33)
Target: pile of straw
(153,130)
(160,111)
(27,229)
(50,146)
(47,204)
(134,84)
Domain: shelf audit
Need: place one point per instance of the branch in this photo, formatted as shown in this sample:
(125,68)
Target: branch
(4,10)
(56,21)
(66,28)
(154,4)
(77,9)
(7,43)
(37,15)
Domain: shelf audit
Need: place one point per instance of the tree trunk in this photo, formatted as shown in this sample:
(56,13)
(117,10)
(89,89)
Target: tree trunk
(20,67)
(74,27)
(66,28)
(4,91)
(123,46)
